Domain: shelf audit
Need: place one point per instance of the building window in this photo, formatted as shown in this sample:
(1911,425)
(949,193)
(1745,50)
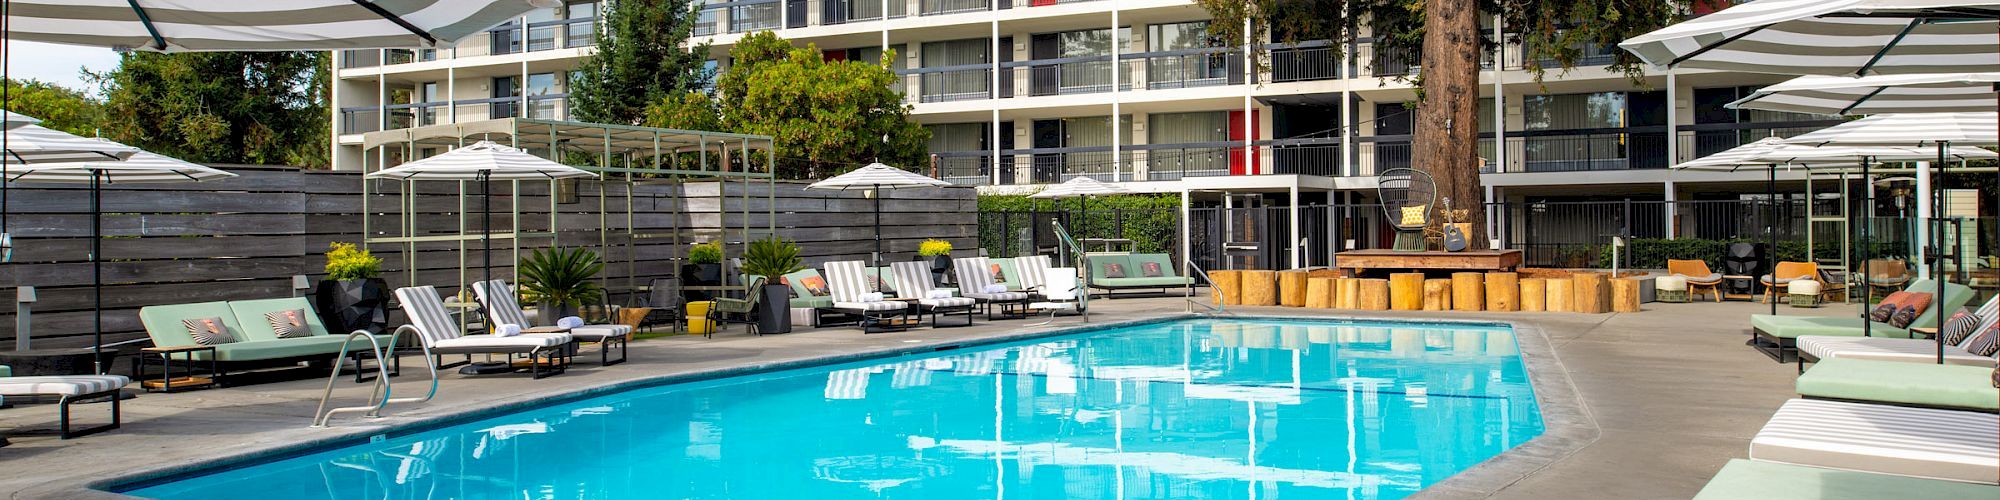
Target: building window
(958,84)
(581,31)
(1076,77)
(1590,147)
(1186,70)
(544,98)
(428,94)
(505,39)
(1187,128)
(505,87)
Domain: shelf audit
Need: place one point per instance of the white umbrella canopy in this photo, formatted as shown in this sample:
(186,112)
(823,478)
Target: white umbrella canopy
(269,25)
(1868,95)
(35,144)
(876,176)
(10,119)
(1909,130)
(483,160)
(1080,186)
(1778,153)
(1831,37)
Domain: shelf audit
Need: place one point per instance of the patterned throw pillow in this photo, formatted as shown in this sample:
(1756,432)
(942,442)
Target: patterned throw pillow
(208,331)
(1414,216)
(1114,270)
(994,269)
(289,324)
(1959,327)
(816,286)
(875,284)
(1918,301)
(1905,316)
(1986,343)
(1151,270)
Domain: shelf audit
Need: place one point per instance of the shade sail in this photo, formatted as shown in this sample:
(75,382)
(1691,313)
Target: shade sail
(202,25)
(1831,37)
(481,160)
(142,167)
(877,175)
(1908,130)
(35,144)
(1868,95)
(1080,186)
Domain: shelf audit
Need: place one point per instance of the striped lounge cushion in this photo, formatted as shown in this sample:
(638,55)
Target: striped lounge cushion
(1887,349)
(887,305)
(997,297)
(1921,442)
(597,333)
(60,385)
(948,302)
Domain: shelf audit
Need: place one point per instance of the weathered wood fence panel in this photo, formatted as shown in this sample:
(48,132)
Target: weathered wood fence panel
(245,237)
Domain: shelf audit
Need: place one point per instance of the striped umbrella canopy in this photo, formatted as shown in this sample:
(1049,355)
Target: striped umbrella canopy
(211,25)
(35,144)
(1780,154)
(1868,95)
(10,119)
(877,176)
(1909,130)
(1831,37)
(483,160)
(1080,187)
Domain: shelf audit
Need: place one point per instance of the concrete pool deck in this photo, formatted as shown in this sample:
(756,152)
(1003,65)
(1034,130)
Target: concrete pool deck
(1664,396)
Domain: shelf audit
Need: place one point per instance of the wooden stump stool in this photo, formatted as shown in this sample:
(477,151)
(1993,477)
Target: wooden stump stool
(1437,294)
(1348,294)
(1292,288)
(1260,288)
(1319,293)
(1625,295)
(1593,293)
(1406,291)
(1561,295)
(1468,291)
(1503,292)
(1228,287)
(1375,294)
(1534,294)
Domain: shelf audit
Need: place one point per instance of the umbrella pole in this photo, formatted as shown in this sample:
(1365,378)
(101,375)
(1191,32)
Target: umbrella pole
(1937,234)
(1867,219)
(877,257)
(1771,225)
(97,269)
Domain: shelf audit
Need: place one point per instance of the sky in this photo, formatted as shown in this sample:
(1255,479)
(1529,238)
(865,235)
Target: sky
(58,64)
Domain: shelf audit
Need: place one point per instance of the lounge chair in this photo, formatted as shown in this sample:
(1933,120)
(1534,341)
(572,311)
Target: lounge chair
(256,343)
(498,299)
(1009,275)
(847,284)
(1134,271)
(68,390)
(1776,336)
(1928,385)
(913,280)
(1888,275)
(720,314)
(1916,442)
(443,336)
(1754,480)
(1060,292)
(975,276)
(1813,348)
(1033,272)
(1787,272)
(1699,278)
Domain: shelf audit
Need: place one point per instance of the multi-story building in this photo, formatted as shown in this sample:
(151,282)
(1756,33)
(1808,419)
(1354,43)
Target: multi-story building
(1025,92)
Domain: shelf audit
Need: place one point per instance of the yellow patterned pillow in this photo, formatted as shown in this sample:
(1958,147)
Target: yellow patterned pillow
(1413,216)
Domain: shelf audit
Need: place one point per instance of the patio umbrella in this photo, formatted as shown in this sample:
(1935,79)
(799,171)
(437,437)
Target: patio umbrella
(28,144)
(1082,188)
(208,25)
(138,167)
(482,161)
(1831,37)
(877,177)
(1868,95)
(10,119)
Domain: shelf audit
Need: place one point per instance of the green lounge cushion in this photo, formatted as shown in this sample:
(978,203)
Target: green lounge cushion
(812,302)
(1139,261)
(1752,480)
(6,371)
(256,350)
(1917,384)
(1140,282)
(1100,262)
(797,282)
(1008,271)
(255,326)
(163,323)
(1955,296)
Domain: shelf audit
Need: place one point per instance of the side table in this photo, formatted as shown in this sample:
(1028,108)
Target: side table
(168,382)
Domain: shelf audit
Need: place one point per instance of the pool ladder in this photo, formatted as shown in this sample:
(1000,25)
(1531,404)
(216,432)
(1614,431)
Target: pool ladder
(1197,307)
(378,396)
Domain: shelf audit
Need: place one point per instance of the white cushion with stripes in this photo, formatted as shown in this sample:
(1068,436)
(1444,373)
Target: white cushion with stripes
(949,302)
(434,323)
(974,276)
(507,311)
(998,297)
(517,342)
(1920,442)
(913,278)
(846,281)
(597,333)
(60,385)
(1033,269)
(1886,349)
(886,305)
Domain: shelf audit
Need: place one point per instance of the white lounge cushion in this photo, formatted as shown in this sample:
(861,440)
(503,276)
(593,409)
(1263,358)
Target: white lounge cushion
(596,333)
(949,302)
(523,341)
(61,385)
(1887,349)
(1919,442)
(1053,305)
(887,305)
(999,297)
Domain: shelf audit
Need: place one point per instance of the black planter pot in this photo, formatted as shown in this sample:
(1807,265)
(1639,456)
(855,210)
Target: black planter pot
(349,305)
(550,312)
(941,270)
(700,275)
(774,312)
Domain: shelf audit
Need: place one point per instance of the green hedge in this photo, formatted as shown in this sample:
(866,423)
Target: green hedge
(1653,253)
(1150,221)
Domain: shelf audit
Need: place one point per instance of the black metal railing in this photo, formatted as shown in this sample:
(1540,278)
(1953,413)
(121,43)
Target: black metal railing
(1314,60)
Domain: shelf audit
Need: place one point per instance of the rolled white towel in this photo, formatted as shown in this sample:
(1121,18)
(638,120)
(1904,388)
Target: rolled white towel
(507,330)
(996,288)
(938,294)
(871,297)
(570,322)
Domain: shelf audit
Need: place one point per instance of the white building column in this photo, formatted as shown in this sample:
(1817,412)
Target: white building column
(993,89)
(1249,121)
(1673,207)
(1117,128)
(1187,244)
(1294,238)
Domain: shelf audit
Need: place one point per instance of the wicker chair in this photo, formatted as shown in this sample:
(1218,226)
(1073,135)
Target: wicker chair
(1407,197)
(1699,278)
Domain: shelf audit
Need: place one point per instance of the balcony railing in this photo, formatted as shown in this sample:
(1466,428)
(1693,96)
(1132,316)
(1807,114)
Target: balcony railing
(1314,60)
(356,120)
(847,11)
(941,7)
(951,83)
(1186,68)
(542,35)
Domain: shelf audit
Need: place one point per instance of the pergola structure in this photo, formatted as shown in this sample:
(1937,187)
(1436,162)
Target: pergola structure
(620,154)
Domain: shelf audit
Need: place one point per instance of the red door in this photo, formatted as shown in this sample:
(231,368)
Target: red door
(834,55)
(1042,3)
(1236,164)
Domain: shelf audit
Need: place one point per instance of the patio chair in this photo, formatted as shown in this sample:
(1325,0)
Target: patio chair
(742,309)
(1786,273)
(975,276)
(1916,442)
(438,332)
(1407,195)
(848,284)
(1813,348)
(68,390)
(1699,278)
(663,295)
(1060,292)
(1887,275)
(1751,479)
(1034,272)
(913,281)
(498,299)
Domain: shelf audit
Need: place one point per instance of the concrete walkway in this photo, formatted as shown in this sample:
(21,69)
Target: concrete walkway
(1672,390)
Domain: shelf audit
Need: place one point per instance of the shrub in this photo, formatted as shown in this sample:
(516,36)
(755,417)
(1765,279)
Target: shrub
(706,253)
(561,276)
(934,247)
(772,257)
(344,261)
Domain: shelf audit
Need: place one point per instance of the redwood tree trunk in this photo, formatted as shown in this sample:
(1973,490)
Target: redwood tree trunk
(1446,135)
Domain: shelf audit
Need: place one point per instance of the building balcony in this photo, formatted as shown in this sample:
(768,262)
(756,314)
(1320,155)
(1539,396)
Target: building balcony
(1161,70)
(364,119)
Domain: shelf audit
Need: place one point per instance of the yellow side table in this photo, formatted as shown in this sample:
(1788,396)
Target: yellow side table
(697,316)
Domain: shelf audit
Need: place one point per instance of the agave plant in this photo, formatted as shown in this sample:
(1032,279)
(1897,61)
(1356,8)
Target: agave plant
(771,257)
(561,276)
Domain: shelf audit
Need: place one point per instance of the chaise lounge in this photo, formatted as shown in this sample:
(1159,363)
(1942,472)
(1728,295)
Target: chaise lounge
(1813,348)
(1139,271)
(1756,480)
(1776,336)
(68,390)
(1917,442)
(254,340)
(506,310)
(547,353)
(1928,385)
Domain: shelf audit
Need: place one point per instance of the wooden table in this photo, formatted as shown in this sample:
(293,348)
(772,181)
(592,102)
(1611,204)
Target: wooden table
(1469,260)
(1752,296)
(168,382)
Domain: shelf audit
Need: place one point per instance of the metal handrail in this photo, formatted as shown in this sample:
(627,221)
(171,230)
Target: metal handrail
(379,395)
(1219,307)
(1082,268)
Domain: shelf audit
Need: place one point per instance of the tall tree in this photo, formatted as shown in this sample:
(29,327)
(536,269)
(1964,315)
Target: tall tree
(825,115)
(61,108)
(221,107)
(640,59)
(1444,38)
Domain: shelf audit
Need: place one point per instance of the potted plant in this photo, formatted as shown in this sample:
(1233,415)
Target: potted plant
(703,268)
(939,253)
(772,258)
(352,297)
(559,281)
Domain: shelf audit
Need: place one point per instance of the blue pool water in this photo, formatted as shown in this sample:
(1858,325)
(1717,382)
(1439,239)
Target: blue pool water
(1237,409)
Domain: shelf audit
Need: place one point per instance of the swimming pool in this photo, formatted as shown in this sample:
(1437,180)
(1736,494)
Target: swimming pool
(1250,408)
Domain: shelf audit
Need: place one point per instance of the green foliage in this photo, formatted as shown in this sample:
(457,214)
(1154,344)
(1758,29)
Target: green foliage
(344,261)
(772,257)
(221,107)
(640,60)
(561,276)
(933,247)
(826,116)
(59,107)
(1653,253)
(1152,222)
(705,253)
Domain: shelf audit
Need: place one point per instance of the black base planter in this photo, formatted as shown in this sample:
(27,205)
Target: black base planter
(774,312)
(700,275)
(550,312)
(349,305)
